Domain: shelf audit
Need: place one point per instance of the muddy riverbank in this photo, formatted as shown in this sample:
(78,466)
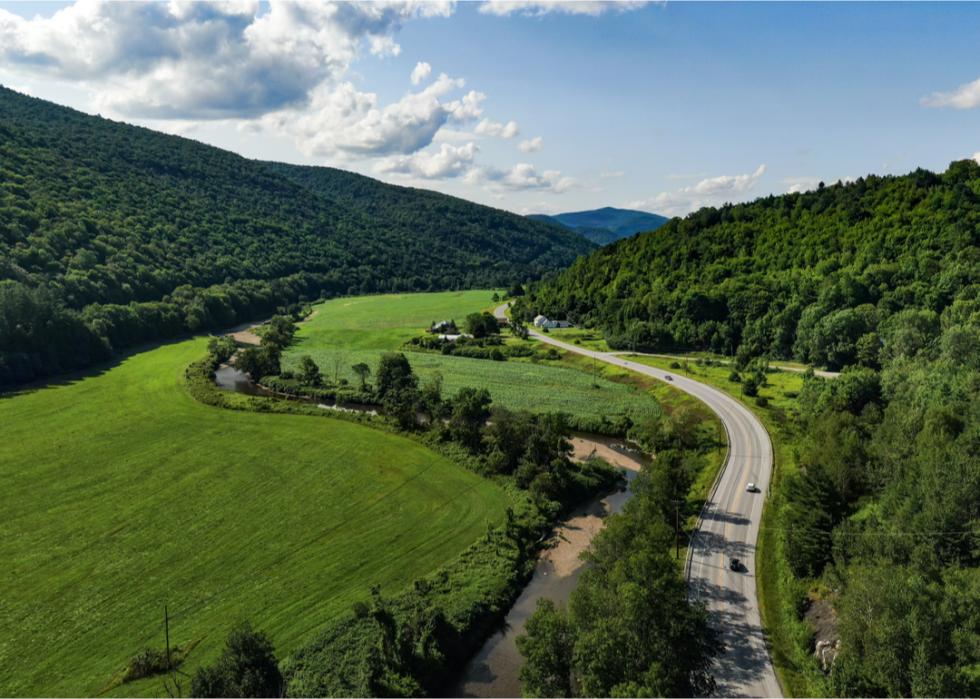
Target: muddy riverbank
(494,670)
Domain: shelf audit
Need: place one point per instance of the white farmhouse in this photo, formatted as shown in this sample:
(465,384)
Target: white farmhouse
(547,324)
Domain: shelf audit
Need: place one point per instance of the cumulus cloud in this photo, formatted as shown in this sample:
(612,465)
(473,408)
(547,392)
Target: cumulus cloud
(966,96)
(976,157)
(708,192)
(421,71)
(189,60)
(801,184)
(447,161)
(384,46)
(537,8)
(496,129)
(280,67)
(522,176)
(531,145)
(611,174)
(345,121)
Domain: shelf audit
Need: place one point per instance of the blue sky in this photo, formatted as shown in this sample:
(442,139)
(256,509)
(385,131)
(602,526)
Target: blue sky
(664,107)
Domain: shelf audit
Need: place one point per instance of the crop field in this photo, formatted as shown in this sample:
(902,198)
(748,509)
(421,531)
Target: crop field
(345,331)
(122,494)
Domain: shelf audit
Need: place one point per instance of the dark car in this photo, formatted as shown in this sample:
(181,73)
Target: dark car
(735,564)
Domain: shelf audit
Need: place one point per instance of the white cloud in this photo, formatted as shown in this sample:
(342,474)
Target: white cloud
(346,122)
(966,96)
(522,176)
(469,107)
(531,145)
(282,67)
(708,192)
(447,161)
(384,46)
(800,184)
(184,60)
(976,157)
(610,174)
(537,8)
(496,129)
(421,71)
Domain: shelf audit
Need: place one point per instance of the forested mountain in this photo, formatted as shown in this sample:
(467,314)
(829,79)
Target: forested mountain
(112,234)
(819,276)
(876,515)
(500,236)
(605,225)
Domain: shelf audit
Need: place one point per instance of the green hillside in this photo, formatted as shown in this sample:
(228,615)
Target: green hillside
(815,276)
(112,235)
(501,237)
(870,536)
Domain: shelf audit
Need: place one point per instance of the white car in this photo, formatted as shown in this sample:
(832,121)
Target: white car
(751,488)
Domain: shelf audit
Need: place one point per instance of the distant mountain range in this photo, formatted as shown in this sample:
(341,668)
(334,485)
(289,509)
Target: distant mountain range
(605,225)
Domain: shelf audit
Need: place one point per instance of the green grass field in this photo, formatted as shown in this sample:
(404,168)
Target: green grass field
(343,332)
(122,494)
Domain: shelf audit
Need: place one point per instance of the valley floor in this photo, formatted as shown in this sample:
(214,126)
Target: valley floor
(123,494)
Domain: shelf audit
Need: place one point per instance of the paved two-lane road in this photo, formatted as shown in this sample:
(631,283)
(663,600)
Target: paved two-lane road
(729,528)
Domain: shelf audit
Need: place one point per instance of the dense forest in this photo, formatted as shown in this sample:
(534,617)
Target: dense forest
(883,518)
(879,520)
(112,235)
(819,277)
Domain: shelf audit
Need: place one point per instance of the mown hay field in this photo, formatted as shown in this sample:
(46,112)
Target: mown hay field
(122,494)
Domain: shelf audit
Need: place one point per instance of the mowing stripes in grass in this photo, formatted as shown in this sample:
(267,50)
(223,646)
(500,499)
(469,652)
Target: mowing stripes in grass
(122,494)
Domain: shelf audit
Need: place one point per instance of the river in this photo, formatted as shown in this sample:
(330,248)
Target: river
(494,670)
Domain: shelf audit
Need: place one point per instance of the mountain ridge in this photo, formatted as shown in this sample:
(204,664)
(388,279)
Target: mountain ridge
(605,225)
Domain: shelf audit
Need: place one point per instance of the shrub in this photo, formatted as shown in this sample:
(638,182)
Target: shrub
(146,663)
(761,401)
(735,377)
(247,668)
(675,364)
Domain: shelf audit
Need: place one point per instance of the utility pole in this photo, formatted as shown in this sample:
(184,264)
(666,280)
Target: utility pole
(677,530)
(677,527)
